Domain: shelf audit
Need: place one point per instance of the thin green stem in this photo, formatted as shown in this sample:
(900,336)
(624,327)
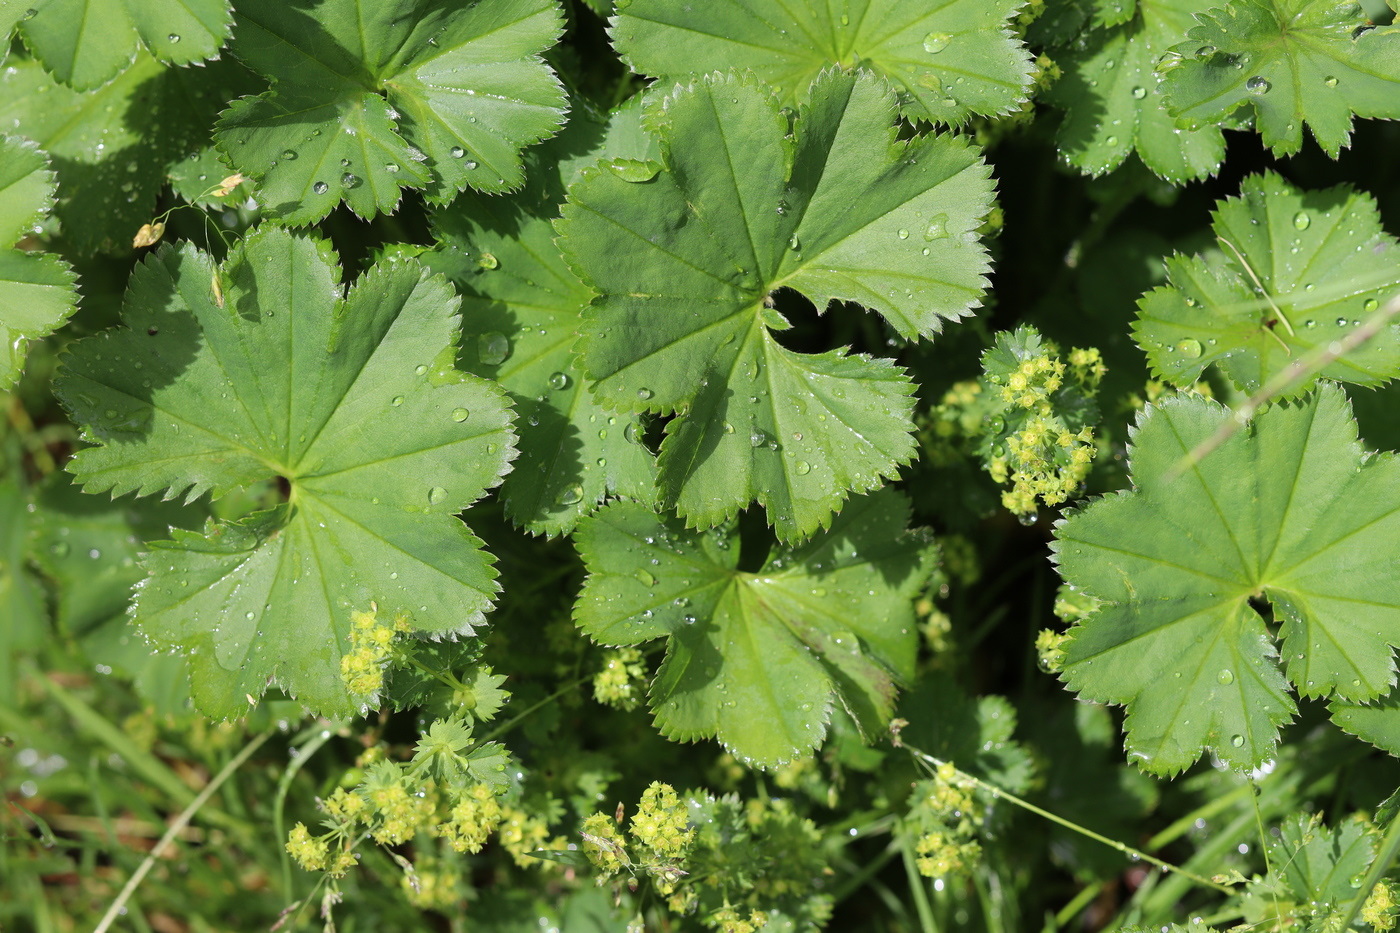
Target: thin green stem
(279,827)
(916,884)
(930,762)
(177,827)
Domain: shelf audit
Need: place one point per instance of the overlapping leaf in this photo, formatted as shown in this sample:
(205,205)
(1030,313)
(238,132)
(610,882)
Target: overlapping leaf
(757,659)
(36,289)
(86,43)
(686,253)
(264,369)
(1109,90)
(1295,63)
(370,97)
(522,306)
(1292,511)
(112,148)
(1294,271)
(21,596)
(949,61)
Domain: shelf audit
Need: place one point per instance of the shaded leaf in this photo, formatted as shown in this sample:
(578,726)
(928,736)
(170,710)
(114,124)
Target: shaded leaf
(757,659)
(37,291)
(371,97)
(1323,264)
(1294,63)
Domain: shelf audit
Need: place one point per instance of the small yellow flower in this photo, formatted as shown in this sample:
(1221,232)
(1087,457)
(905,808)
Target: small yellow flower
(308,852)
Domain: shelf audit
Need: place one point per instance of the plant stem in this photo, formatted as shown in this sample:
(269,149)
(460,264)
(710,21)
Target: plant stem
(176,828)
(1123,847)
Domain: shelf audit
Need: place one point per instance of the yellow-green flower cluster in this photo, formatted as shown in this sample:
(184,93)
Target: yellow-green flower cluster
(728,920)
(1381,907)
(948,793)
(371,643)
(431,887)
(620,681)
(313,853)
(1045,461)
(399,814)
(603,845)
(521,834)
(1032,383)
(660,822)
(474,817)
(1050,648)
(943,854)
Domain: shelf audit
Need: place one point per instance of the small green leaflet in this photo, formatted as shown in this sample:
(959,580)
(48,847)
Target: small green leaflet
(369,97)
(1293,271)
(757,659)
(36,289)
(265,367)
(521,308)
(1315,870)
(1113,107)
(1294,62)
(110,159)
(86,43)
(1291,510)
(949,61)
(685,254)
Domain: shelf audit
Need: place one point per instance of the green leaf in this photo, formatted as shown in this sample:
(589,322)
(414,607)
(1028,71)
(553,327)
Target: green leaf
(949,61)
(522,307)
(1317,868)
(1291,510)
(1377,723)
(369,97)
(1113,106)
(1295,62)
(86,43)
(113,147)
(686,257)
(1293,271)
(36,289)
(264,368)
(26,624)
(757,659)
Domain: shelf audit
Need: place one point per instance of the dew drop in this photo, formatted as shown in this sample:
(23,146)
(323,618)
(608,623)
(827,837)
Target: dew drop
(350,180)
(436,495)
(1237,740)
(396,401)
(460,414)
(633,170)
(488,261)
(937,228)
(173,38)
(421,369)
(904,234)
(1225,677)
(757,438)
(288,155)
(458,152)
(391,167)
(1204,52)
(936,42)
(645,578)
(1370,304)
(644,394)
(558,381)
(571,495)
(492,348)
(1302,220)
(1330,81)
(1139,93)
(320,187)
(1258,85)
(802,467)
(1190,348)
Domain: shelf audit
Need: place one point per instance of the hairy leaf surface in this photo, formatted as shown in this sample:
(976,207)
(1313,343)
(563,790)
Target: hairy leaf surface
(949,61)
(265,368)
(1114,107)
(522,307)
(86,43)
(686,252)
(1290,510)
(1295,63)
(1293,271)
(370,97)
(757,659)
(36,289)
